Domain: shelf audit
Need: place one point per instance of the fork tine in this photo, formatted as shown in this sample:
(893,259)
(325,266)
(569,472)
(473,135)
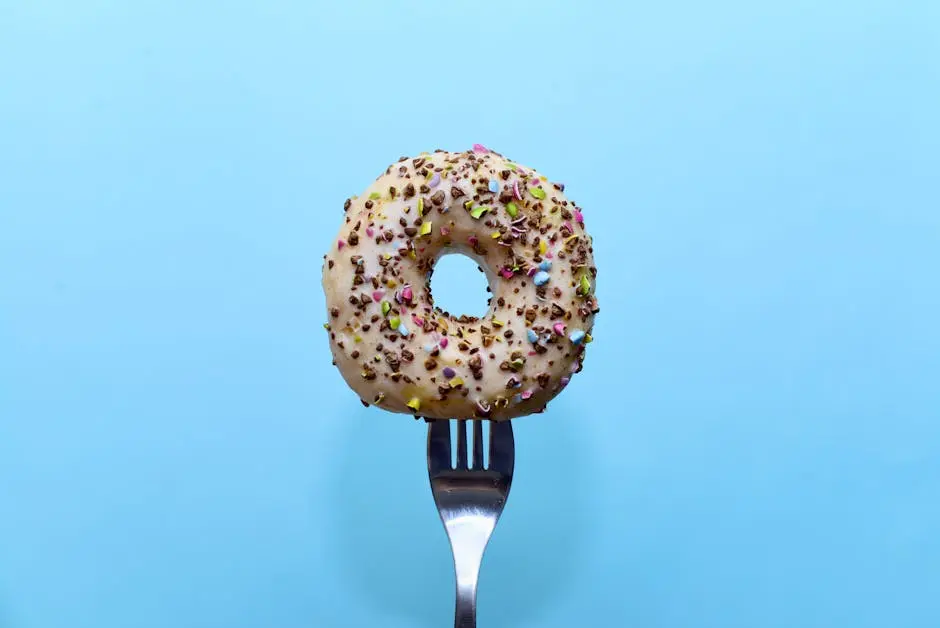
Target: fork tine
(477,445)
(502,447)
(439,458)
(461,444)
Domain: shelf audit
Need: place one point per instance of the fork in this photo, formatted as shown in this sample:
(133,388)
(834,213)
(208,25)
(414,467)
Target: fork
(469,498)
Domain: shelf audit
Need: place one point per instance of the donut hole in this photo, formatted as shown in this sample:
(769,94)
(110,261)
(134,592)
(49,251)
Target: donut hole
(459,286)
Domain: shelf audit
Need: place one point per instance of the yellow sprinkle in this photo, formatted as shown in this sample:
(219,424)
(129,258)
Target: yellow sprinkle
(425,228)
(412,255)
(421,206)
(542,247)
(357,338)
(414,403)
(495,234)
(497,323)
(375,196)
(392,283)
(587,338)
(376,358)
(570,238)
(455,382)
(326,326)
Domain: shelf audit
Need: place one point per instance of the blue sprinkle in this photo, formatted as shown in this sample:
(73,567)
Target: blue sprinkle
(494,186)
(402,329)
(546,264)
(576,336)
(541,278)
(429,348)
(532,336)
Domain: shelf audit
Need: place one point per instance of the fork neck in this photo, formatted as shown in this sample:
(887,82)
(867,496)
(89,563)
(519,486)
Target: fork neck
(468,536)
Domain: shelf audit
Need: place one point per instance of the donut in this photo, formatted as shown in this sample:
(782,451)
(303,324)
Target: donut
(400,352)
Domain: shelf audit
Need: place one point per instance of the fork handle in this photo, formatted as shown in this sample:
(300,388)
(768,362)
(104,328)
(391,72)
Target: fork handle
(468,542)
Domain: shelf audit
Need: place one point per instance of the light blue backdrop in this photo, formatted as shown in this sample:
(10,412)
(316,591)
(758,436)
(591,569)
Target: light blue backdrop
(755,440)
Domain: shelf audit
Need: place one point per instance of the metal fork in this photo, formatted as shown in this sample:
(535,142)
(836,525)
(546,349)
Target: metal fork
(470,499)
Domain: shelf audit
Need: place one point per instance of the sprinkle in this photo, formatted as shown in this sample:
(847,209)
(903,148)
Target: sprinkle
(532,336)
(428,348)
(538,193)
(421,206)
(517,364)
(578,217)
(512,209)
(542,247)
(545,265)
(402,329)
(515,190)
(417,320)
(340,244)
(559,328)
(414,403)
(457,381)
(477,212)
(394,322)
(495,234)
(357,338)
(375,196)
(406,293)
(497,323)
(506,272)
(541,278)
(480,148)
(445,231)
(585,287)
(425,228)
(378,398)
(449,372)
(326,326)
(494,186)
(435,180)
(392,283)
(576,336)
(587,338)
(473,240)
(564,381)
(531,272)
(526,394)
(443,343)
(377,295)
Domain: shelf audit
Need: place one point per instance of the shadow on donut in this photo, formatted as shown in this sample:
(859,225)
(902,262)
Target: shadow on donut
(391,546)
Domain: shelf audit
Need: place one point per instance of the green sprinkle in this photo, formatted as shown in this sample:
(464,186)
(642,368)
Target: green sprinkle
(585,287)
(517,364)
(386,306)
(538,193)
(375,196)
(476,212)
(511,165)
(394,322)
(512,209)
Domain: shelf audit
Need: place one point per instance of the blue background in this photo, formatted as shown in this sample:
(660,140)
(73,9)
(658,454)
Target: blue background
(755,440)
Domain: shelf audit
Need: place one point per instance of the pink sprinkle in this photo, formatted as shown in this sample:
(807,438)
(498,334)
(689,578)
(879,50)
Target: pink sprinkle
(340,244)
(578,217)
(444,342)
(480,148)
(435,180)
(370,231)
(417,320)
(515,191)
(532,352)
(549,255)
(377,295)
(559,328)
(445,231)
(406,293)
(526,394)
(506,272)
(472,240)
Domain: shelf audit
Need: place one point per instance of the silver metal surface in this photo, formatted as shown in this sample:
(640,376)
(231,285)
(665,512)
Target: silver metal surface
(470,498)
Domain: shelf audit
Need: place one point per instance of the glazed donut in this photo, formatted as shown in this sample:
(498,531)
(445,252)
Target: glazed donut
(398,351)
